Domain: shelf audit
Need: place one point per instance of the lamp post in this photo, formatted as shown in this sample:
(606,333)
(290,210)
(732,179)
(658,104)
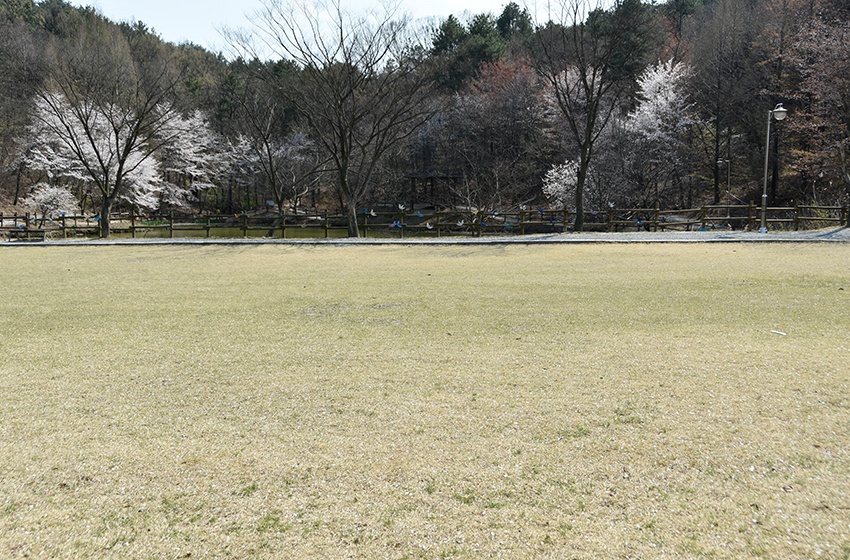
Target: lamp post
(779,112)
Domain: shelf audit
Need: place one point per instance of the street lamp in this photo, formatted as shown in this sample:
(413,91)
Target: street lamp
(779,112)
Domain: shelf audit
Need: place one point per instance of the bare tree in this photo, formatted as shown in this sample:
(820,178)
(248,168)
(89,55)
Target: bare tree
(21,73)
(821,55)
(724,81)
(287,159)
(359,85)
(496,140)
(590,58)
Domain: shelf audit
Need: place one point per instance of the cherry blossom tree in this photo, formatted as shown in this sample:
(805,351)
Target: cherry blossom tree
(196,159)
(560,182)
(663,108)
(107,107)
(640,155)
(50,202)
(657,129)
(589,59)
(83,144)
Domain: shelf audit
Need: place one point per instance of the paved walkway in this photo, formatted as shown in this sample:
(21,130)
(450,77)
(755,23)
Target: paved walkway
(833,235)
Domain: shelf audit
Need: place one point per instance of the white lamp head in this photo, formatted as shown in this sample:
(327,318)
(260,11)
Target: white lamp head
(779,112)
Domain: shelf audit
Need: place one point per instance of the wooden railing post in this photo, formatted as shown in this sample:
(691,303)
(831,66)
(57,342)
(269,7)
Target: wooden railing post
(751,222)
(657,216)
(171,225)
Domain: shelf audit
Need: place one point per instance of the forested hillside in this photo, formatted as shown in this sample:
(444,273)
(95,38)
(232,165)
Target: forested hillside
(635,104)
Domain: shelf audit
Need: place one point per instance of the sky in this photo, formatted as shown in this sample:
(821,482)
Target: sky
(200,21)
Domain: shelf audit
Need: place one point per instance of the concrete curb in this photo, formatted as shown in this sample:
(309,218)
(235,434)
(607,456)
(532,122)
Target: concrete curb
(839,235)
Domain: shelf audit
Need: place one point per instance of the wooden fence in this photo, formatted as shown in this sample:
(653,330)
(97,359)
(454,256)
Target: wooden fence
(421,223)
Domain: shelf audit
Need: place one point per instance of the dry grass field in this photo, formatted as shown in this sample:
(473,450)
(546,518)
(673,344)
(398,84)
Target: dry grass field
(640,401)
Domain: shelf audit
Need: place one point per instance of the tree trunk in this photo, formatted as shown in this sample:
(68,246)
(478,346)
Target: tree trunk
(581,178)
(277,222)
(845,169)
(351,215)
(716,191)
(105,212)
(230,196)
(18,175)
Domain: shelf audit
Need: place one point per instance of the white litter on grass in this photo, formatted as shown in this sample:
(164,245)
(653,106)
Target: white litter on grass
(779,333)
